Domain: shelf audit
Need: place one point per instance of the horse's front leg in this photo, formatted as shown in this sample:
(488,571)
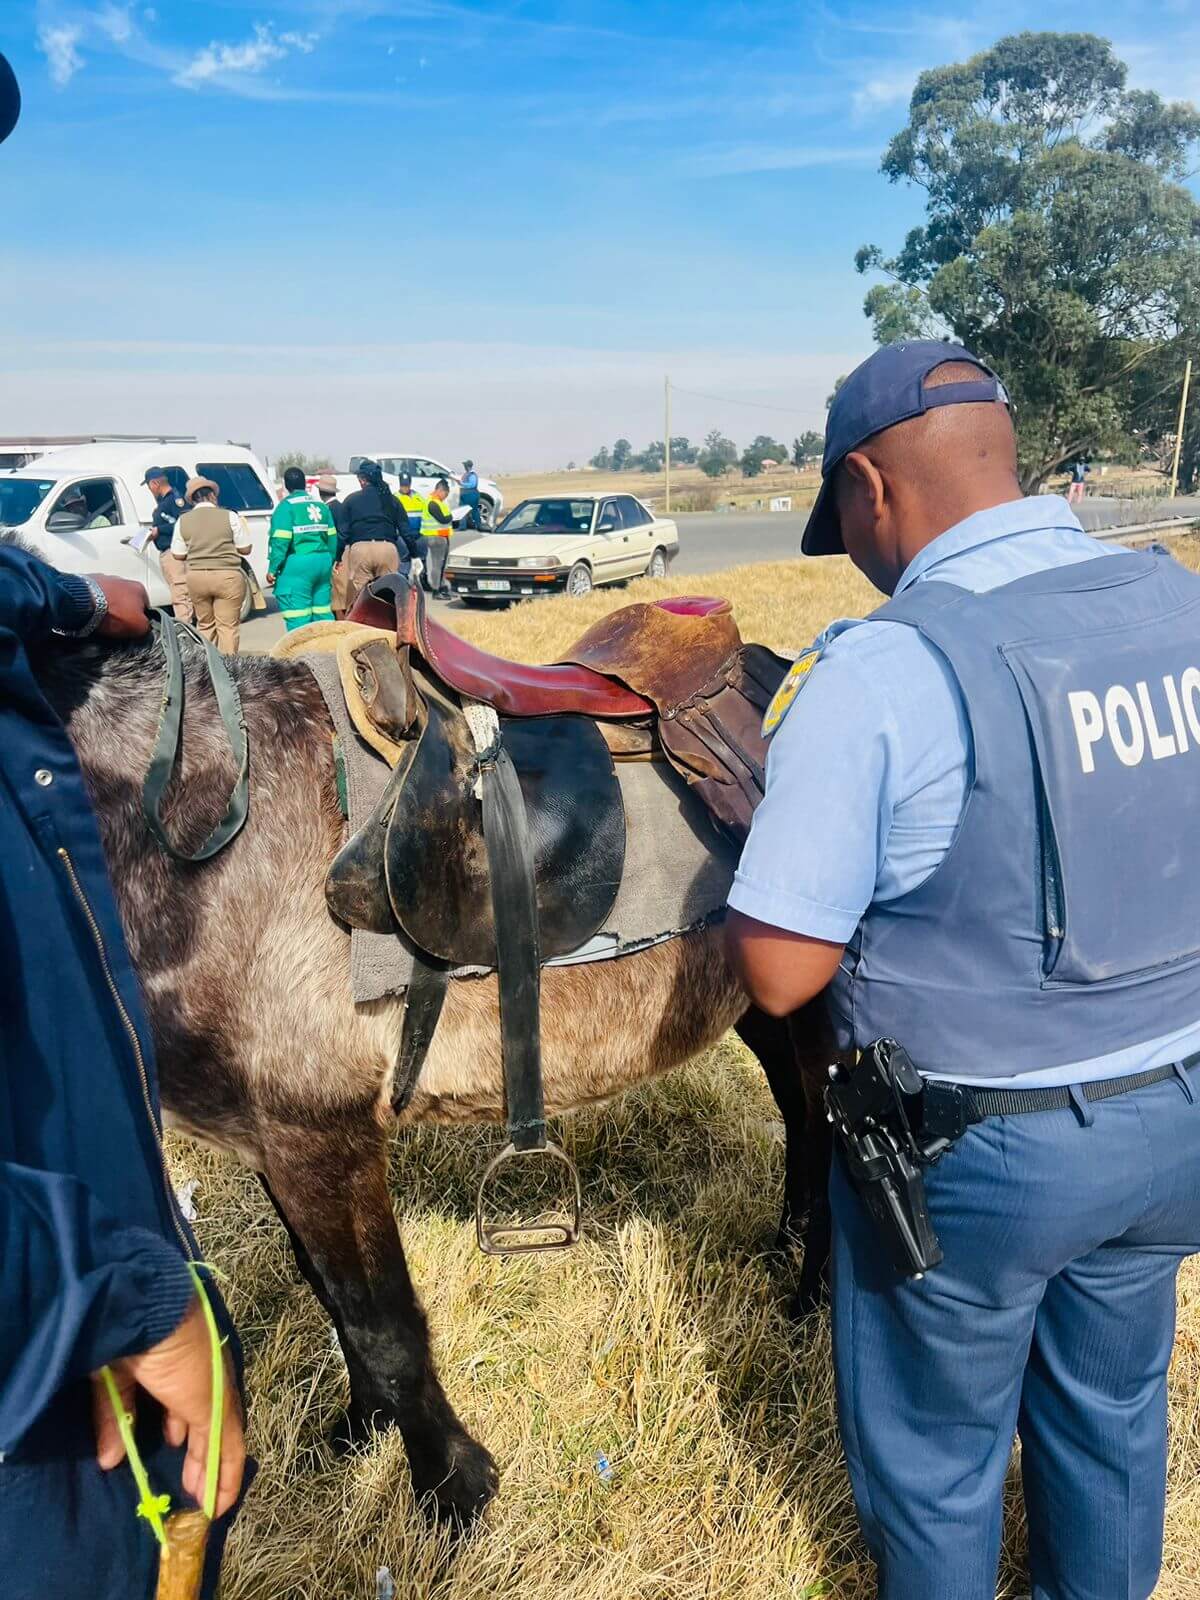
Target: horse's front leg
(330,1188)
(771,1041)
(795,1053)
(814,1050)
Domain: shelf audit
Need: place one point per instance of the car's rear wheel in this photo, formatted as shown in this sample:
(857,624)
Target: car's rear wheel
(247,610)
(658,564)
(579,580)
(486,515)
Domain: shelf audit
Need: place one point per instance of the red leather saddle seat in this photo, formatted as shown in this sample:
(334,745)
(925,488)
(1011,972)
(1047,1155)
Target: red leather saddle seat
(515,688)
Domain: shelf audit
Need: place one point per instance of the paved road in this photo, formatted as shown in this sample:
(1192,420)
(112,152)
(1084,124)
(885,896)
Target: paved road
(707,542)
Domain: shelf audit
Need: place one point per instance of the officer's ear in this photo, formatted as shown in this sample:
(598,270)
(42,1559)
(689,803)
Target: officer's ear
(861,488)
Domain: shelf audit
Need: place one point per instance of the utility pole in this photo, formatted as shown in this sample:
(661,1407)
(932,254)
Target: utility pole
(667,438)
(1183,399)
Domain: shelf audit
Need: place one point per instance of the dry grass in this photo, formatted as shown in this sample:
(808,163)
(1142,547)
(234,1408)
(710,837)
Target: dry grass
(690,489)
(661,1340)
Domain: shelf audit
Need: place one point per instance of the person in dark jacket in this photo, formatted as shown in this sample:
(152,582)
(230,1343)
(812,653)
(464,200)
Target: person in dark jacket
(171,506)
(94,1255)
(374,537)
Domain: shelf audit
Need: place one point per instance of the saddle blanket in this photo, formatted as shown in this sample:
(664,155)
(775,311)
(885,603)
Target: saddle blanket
(677,867)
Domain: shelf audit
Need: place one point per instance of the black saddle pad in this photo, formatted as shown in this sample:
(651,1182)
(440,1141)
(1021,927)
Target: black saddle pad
(421,861)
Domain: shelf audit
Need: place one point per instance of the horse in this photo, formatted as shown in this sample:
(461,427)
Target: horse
(262,1052)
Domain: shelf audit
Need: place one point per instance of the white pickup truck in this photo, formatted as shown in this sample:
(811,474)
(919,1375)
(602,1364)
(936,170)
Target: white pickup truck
(425,472)
(111,535)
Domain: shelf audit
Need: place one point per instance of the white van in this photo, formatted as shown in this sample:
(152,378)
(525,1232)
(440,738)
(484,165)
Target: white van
(120,506)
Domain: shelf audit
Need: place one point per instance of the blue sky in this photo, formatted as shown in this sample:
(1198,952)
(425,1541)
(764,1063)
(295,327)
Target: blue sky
(467,228)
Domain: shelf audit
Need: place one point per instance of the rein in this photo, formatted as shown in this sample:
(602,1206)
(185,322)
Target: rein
(167,630)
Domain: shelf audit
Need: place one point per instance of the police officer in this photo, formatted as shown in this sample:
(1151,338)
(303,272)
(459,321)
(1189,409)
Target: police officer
(413,503)
(171,506)
(469,494)
(979,829)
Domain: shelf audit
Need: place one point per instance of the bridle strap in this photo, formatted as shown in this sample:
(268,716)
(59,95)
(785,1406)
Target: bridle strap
(167,630)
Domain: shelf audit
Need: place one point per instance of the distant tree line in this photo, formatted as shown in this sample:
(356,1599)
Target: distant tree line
(715,457)
(310,464)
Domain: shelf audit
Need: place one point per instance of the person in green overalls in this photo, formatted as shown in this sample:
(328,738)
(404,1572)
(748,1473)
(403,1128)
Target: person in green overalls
(300,554)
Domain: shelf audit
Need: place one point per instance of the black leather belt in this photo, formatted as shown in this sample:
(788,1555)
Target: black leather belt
(949,1108)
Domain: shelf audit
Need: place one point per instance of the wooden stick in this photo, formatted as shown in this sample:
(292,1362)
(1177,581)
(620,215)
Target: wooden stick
(181,1564)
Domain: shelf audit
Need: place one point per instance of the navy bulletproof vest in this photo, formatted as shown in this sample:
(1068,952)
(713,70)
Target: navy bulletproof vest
(1064,921)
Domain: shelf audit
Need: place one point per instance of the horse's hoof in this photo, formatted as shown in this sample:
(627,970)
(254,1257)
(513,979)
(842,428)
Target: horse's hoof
(462,1494)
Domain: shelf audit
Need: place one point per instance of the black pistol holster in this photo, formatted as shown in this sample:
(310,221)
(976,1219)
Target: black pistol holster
(877,1110)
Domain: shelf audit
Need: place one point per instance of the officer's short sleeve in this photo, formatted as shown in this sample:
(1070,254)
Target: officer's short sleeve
(812,859)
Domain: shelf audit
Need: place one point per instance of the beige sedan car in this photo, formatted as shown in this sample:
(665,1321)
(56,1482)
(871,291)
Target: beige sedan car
(557,544)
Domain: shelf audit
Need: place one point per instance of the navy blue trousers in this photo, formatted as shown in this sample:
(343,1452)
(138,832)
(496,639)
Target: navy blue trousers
(1052,1317)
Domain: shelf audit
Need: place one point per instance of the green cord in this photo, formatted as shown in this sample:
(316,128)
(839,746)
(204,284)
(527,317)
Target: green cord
(153,1507)
(213,1469)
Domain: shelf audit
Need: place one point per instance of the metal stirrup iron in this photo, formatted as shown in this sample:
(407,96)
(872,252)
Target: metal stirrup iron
(518,965)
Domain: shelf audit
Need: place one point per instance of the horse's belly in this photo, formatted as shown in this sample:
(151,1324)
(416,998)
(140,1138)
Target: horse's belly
(606,1026)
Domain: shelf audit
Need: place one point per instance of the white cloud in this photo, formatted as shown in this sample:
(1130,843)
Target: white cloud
(59,43)
(116,22)
(884,90)
(728,160)
(245,58)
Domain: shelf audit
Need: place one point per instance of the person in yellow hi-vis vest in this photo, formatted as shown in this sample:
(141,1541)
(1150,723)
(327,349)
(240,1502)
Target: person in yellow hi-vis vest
(414,506)
(436,527)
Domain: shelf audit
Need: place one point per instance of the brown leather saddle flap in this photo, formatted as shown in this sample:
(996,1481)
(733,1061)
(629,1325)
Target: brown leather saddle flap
(716,741)
(664,650)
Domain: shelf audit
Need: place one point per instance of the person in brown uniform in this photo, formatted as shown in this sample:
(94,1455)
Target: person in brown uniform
(213,541)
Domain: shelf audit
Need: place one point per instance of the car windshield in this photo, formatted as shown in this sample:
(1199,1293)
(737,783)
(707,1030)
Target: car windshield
(20,498)
(549,516)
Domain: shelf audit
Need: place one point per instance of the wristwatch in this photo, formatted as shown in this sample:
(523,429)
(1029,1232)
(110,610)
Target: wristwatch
(99,602)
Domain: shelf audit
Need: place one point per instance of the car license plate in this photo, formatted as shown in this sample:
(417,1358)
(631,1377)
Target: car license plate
(496,585)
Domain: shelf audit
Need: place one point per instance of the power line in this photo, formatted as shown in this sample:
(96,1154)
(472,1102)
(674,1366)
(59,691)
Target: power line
(725,399)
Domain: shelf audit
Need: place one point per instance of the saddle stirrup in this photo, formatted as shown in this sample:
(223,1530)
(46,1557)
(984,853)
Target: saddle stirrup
(518,964)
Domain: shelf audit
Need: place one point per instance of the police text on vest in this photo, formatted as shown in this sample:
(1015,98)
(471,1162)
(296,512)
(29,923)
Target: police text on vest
(1131,722)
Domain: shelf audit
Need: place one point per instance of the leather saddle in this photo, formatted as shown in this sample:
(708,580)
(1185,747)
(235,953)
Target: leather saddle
(420,863)
(500,838)
(677,668)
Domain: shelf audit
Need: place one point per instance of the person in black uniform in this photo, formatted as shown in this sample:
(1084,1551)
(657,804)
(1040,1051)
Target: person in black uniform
(171,506)
(374,537)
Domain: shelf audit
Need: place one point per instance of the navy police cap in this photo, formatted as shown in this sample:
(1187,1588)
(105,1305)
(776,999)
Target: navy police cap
(10,100)
(889,387)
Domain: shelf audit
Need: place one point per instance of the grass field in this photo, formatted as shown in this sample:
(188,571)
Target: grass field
(690,489)
(661,1340)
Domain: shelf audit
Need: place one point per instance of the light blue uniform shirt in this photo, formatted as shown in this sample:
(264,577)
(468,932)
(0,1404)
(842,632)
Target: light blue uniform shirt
(867,773)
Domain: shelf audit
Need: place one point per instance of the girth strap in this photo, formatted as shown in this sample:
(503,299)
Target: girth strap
(518,952)
(422,1011)
(170,731)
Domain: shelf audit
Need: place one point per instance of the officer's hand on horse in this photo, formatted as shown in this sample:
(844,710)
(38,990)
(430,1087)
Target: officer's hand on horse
(178,1374)
(128,608)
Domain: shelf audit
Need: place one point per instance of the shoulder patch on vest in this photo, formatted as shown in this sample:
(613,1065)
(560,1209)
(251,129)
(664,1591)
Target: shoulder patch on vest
(785,695)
